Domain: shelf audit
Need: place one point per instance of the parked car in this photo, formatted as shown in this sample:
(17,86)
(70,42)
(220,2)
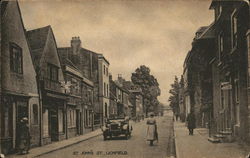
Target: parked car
(117,127)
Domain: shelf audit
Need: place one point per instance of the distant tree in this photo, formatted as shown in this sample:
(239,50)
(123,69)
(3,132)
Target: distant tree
(149,85)
(174,97)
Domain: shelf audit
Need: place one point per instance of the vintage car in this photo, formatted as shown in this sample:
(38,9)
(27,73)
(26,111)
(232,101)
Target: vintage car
(117,127)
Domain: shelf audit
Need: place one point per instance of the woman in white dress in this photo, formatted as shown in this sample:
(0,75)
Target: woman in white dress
(152,134)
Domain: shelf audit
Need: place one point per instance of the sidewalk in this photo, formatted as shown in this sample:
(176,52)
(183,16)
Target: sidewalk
(38,151)
(198,146)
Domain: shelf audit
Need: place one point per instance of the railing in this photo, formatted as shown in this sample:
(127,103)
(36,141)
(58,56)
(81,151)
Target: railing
(52,85)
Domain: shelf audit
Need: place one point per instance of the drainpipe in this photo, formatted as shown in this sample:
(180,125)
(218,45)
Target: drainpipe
(40,104)
(248,93)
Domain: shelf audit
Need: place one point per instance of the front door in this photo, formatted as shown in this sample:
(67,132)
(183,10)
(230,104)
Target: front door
(54,125)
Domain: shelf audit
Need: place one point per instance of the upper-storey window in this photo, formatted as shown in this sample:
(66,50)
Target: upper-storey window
(104,89)
(16,58)
(104,69)
(52,72)
(234,30)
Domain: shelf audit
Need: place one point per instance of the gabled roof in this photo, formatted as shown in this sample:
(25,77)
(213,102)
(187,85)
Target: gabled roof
(38,37)
(208,32)
(215,2)
(202,29)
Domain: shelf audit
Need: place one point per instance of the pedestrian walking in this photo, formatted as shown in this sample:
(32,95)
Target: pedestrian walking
(24,136)
(191,122)
(152,133)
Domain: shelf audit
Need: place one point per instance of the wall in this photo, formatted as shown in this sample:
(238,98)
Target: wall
(12,31)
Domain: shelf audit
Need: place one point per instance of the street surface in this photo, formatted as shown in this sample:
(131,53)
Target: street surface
(136,146)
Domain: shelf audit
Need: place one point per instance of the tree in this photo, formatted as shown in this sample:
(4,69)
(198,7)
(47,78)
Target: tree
(149,85)
(174,97)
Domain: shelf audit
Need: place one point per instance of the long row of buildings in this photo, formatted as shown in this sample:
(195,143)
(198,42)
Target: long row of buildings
(217,73)
(63,91)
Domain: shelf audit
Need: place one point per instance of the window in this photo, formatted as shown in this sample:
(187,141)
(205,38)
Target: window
(104,69)
(88,118)
(35,114)
(90,96)
(221,47)
(16,58)
(107,90)
(234,31)
(52,72)
(104,89)
(71,118)
(107,73)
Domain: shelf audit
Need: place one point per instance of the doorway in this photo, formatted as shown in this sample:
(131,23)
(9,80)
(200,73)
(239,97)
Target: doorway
(21,112)
(78,122)
(54,125)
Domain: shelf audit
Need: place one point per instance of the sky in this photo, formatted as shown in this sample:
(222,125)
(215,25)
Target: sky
(129,33)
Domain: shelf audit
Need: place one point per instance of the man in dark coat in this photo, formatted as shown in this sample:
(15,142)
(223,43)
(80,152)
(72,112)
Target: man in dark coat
(191,122)
(24,136)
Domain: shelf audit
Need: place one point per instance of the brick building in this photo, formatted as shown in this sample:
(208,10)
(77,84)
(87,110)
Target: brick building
(94,68)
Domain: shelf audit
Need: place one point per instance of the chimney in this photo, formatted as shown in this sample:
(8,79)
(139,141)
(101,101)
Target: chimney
(75,45)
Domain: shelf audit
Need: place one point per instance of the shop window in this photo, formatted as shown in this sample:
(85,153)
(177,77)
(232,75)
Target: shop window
(16,58)
(71,118)
(61,120)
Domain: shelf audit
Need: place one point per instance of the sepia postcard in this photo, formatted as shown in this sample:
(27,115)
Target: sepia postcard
(125,79)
